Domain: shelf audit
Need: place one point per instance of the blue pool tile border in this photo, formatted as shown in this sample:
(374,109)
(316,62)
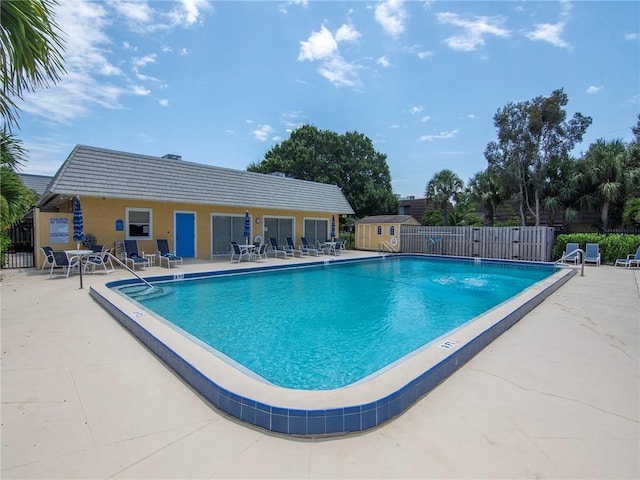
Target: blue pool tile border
(317,423)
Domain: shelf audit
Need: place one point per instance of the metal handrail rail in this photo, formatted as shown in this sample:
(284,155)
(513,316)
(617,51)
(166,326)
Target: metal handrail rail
(387,245)
(113,257)
(568,254)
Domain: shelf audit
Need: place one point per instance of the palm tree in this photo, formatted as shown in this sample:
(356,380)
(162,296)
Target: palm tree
(486,189)
(443,190)
(607,170)
(30,51)
(15,198)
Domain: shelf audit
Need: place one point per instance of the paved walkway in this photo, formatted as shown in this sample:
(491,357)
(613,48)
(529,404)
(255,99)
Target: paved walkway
(557,396)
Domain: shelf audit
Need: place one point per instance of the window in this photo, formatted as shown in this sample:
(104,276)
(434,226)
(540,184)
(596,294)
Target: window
(316,229)
(139,224)
(392,230)
(379,230)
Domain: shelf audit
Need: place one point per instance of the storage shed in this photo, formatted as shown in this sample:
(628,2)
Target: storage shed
(381,232)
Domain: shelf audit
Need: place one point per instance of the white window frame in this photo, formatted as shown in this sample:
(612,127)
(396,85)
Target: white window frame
(128,210)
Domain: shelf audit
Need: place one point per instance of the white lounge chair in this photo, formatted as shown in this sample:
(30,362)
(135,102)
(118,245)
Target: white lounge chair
(132,257)
(305,247)
(630,261)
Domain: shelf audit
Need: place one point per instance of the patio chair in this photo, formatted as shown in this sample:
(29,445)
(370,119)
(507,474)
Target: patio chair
(592,254)
(99,259)
(276,249)
(164,254)
(323,247)
(571,254)
(311,250)
(48,257)
(237,253)
(131,255)
(630,260)
(259,253)
(291,247)
(61,260)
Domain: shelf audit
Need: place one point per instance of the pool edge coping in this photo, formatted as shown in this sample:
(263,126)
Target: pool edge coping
(306,413)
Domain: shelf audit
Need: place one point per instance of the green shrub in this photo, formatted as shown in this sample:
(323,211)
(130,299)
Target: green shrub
(612,246)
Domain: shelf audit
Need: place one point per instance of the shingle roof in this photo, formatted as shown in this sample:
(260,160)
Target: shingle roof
(92,171)
(37,183)
(405,219)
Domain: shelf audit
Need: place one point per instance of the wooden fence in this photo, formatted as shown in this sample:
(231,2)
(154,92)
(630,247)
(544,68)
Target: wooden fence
(513,243)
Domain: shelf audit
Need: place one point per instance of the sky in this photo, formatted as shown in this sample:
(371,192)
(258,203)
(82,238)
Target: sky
(221,83)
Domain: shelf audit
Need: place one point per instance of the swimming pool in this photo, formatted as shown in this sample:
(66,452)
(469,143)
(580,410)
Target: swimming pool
(357,406)
(328,327)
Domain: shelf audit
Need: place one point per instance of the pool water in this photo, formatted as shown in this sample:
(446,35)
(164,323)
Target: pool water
(325,327)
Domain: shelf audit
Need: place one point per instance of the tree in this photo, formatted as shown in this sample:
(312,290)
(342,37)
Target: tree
(15,198)
(485,189)
(30,51)
(608,172)
(444,190)
(348,161)
(530,135)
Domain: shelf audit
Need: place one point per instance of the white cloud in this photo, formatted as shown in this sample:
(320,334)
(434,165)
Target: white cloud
(438,136)
(347,33)
(471,116)
(163,102)
(475,30)
(426,118)
(549,32)
(323,46)
(140,91)
(262,133)
(552,32)
(631,36)
(391,15)
(284,7)
(340,72)
(395,125)
(184,51)
(424,54)
(320,45)
(139,62)
(93,79)
(415,109)
(384,61)
(135,11)
(592,89)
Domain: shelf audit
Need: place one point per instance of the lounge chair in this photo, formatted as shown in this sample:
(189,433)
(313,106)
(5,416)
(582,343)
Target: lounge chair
(67,263)
(131,255)
(630,261)
(237,253)
(276,249)
(291,247)
(100,259)
(48,257)
(571,254)
(592,254)
(305,247)
(165,255)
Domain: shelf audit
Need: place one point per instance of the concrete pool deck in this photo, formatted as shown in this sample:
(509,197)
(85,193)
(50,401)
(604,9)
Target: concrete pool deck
(556,396)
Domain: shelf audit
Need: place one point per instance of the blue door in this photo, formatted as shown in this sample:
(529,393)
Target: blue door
(185,235)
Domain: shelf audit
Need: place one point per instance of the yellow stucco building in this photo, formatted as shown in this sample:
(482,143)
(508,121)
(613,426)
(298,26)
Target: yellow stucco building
(198,208)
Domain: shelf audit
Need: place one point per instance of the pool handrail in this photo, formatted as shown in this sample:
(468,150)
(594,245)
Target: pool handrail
(120,262)
(564,256)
